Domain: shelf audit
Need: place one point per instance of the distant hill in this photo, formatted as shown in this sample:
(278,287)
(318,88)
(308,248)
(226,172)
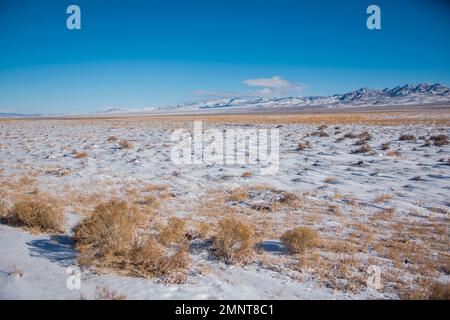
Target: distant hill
(17,115)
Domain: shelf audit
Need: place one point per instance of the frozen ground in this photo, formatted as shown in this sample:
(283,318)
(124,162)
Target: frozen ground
(342,193)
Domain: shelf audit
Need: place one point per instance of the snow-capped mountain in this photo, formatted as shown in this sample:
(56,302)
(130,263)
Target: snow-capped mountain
(113,110)
(401,95)
(423,88)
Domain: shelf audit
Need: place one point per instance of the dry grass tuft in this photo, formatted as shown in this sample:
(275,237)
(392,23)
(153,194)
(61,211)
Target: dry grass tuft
(108,235)
(363,138)
(299,239)
(203,230)
(426,290)
(439,291)
(80,154)
(150,260)
(334,210)
(407,137)
(291,200)
(393,153)
(173,232)
(246,174)
(40,213)
(103,293)
(385,146)
(383,198)
(349,135)
(304,145)
(125,144)
(365,148)
(329,180)
(238,194)
(3,210)
(319,133)
(150,202)
(234,241)
(440,140)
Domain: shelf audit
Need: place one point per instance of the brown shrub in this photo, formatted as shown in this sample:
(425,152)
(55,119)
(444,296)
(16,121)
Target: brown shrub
(440,140)
(299,239)
(108,235)
(365,136)
(304,145)
(246,174)
(383,198)
(238,194)
(330,180)
(267,206)
(360,142)
(150,201)
(385,146)
(173,232)
(291,200)
(407,137)
(319,133)
(234,241)
(439,291)
(3,210)
(110,238)
(365,148)
(393,153)
(334,210)
(125,144)
(102,293)
(38,212)
(152,187)
(79,155)
(150,260)
(349,135)
(203,229)
(426,290)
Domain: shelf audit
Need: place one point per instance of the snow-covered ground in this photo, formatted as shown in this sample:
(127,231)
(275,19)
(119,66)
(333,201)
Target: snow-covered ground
(328,176)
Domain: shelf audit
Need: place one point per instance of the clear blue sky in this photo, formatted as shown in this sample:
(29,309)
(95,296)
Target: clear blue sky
(140,54)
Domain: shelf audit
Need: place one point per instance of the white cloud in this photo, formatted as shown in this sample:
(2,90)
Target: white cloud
(274,83)
(265,87)
(272,87)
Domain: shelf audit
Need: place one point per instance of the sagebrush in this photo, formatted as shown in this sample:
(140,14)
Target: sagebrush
(38,212)
(234,240)
(299,239)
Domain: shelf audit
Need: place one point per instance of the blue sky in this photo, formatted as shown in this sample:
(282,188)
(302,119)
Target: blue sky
(139,54)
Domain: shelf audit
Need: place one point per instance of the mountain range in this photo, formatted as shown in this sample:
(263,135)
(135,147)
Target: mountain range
(401,95)
(420,94)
